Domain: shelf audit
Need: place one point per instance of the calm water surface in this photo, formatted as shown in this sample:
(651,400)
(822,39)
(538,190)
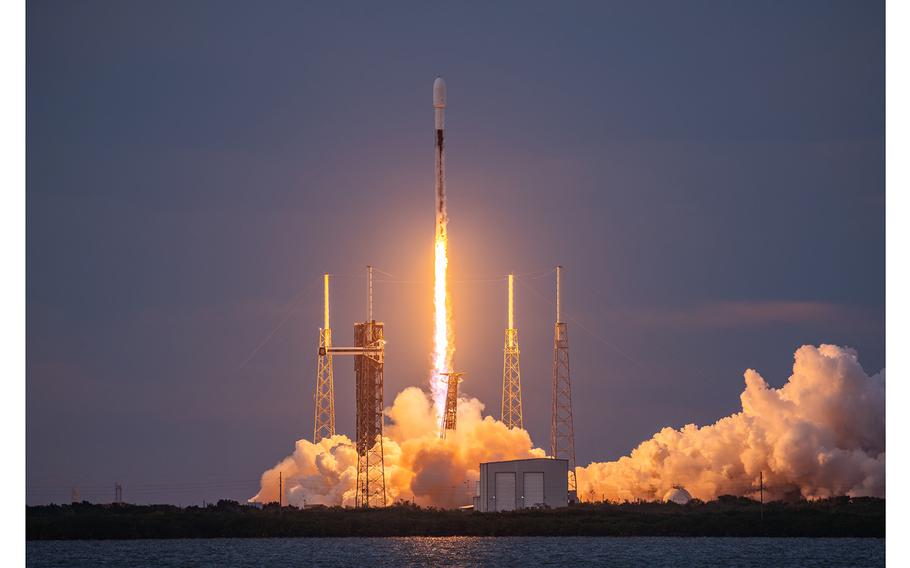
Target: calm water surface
(529,552)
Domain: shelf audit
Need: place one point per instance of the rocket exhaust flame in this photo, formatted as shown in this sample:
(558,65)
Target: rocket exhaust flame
(443,335)
(442,348)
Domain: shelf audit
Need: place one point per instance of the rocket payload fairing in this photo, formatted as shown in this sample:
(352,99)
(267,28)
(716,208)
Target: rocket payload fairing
(439,104)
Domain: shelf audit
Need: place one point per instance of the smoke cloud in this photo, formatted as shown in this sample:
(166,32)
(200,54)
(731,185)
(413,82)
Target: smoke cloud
(419,465)
(821,434)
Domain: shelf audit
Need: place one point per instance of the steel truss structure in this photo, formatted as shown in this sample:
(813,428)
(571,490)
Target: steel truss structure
(450,415)
(324,399)
(510,413)
(368,369)
(562,430)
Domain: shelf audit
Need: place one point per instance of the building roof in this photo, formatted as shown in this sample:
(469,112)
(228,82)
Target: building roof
(529,460)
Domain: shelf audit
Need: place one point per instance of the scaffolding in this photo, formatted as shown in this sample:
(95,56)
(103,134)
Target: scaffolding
(450,415)
(562,431)
(368,369)
(511,369)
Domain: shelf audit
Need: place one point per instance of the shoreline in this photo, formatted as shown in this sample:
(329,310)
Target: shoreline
(839,517)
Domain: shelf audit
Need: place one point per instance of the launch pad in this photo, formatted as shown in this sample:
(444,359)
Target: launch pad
(369,363)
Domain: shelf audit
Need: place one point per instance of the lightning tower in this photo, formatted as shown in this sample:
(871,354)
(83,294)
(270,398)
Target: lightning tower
(450,414)
(511,369)
(324,422)
(562,431)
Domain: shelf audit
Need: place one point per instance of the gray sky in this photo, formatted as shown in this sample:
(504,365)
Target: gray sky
(711,174)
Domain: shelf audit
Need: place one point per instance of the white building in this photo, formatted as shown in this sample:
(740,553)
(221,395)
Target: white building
(521,484)
(677,495)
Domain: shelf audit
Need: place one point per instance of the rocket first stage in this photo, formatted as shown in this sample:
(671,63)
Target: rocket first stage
(439,104)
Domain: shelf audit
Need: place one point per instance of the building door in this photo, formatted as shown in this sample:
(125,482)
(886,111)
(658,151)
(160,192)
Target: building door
(505,491)
(533,488)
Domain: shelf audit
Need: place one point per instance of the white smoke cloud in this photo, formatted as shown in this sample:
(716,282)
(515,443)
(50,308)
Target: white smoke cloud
(419,465)
(821,434)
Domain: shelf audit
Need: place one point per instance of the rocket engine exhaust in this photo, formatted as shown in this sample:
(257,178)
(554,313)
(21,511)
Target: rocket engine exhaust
(821,434)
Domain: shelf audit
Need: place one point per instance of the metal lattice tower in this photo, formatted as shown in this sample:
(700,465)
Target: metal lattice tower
(369,357)
(562,431)
(324,422)
(450,415)
(511,369)
(369,368)
(369,372)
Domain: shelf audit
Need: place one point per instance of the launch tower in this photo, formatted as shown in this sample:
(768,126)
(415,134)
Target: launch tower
(368,369)
(369,361)
(562,431)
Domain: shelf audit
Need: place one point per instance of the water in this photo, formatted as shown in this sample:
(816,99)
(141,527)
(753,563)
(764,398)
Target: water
(527,552)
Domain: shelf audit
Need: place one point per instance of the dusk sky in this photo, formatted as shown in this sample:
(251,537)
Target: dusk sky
(711,175)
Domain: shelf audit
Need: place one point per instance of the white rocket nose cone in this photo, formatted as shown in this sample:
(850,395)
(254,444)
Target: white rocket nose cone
(439,93)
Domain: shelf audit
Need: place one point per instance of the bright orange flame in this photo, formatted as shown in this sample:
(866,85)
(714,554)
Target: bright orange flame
(443,337)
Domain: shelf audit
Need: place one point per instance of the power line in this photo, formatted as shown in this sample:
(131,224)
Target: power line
(295,301)
(583,328)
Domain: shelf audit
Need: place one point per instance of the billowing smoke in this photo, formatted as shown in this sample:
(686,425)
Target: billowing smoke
(420,466)
(821,434)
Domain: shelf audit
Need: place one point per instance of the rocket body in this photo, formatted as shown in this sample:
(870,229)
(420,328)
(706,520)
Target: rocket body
(439,106)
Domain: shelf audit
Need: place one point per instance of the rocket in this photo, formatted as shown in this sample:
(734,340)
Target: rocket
(439,106)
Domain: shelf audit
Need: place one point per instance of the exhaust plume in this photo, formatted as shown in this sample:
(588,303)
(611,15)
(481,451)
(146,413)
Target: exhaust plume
(420,466)
(822,434)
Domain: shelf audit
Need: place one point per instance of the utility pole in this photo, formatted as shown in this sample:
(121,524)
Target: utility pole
(761,492)
(280,490)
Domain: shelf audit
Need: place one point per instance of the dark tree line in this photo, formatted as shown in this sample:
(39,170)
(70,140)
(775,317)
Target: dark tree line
(727,516)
